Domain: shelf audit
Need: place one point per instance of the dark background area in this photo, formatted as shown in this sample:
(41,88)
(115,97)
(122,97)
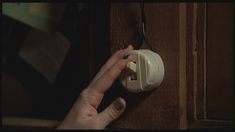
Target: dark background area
(53,101)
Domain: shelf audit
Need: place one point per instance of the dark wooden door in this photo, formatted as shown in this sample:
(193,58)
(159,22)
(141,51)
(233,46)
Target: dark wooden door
(164,107)
(195,43)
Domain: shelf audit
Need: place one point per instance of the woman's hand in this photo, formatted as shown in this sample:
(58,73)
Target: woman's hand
(83,114)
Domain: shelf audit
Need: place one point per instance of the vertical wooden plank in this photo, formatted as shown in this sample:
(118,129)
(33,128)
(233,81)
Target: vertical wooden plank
(194,52)
(189,72)
(196,18)
(200,49)
(196,57)
(220,61)
(124,25)
(182,66)
(201,70)
(159,108)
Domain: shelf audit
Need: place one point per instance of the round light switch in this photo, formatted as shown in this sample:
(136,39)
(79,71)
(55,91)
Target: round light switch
(146,73)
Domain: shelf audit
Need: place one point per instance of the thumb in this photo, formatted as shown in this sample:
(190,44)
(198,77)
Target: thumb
(112,112)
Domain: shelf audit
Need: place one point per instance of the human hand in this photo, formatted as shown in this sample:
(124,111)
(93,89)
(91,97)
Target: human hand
(83,114)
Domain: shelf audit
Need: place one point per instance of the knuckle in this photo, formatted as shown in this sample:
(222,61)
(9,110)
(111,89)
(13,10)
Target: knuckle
(84,94)
(119,53)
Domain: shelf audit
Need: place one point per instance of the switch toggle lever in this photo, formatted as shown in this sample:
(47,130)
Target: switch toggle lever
(131,66)
(146,73)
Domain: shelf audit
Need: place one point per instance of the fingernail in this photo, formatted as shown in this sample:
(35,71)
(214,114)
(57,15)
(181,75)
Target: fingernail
(126,56)
(118,105)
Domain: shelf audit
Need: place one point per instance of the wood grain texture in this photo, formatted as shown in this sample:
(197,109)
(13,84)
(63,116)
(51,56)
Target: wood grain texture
(190,66)
(206,30)
(196,26)
(182,65)
(159,108)
(199,59)
(201,54)
(188,38)
(220,61)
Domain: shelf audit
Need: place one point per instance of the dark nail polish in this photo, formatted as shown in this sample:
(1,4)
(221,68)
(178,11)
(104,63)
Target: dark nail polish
(126,56)
(118,105)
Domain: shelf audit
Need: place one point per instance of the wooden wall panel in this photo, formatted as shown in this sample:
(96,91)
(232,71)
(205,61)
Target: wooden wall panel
(220,61)
(196,36)
(209,82)
(159,108)
(191,37)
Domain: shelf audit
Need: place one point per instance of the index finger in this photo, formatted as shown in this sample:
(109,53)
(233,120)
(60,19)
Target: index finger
(118,55)
(102,84)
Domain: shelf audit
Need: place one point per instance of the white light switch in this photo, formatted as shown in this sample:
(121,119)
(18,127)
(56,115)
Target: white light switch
(146,73)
